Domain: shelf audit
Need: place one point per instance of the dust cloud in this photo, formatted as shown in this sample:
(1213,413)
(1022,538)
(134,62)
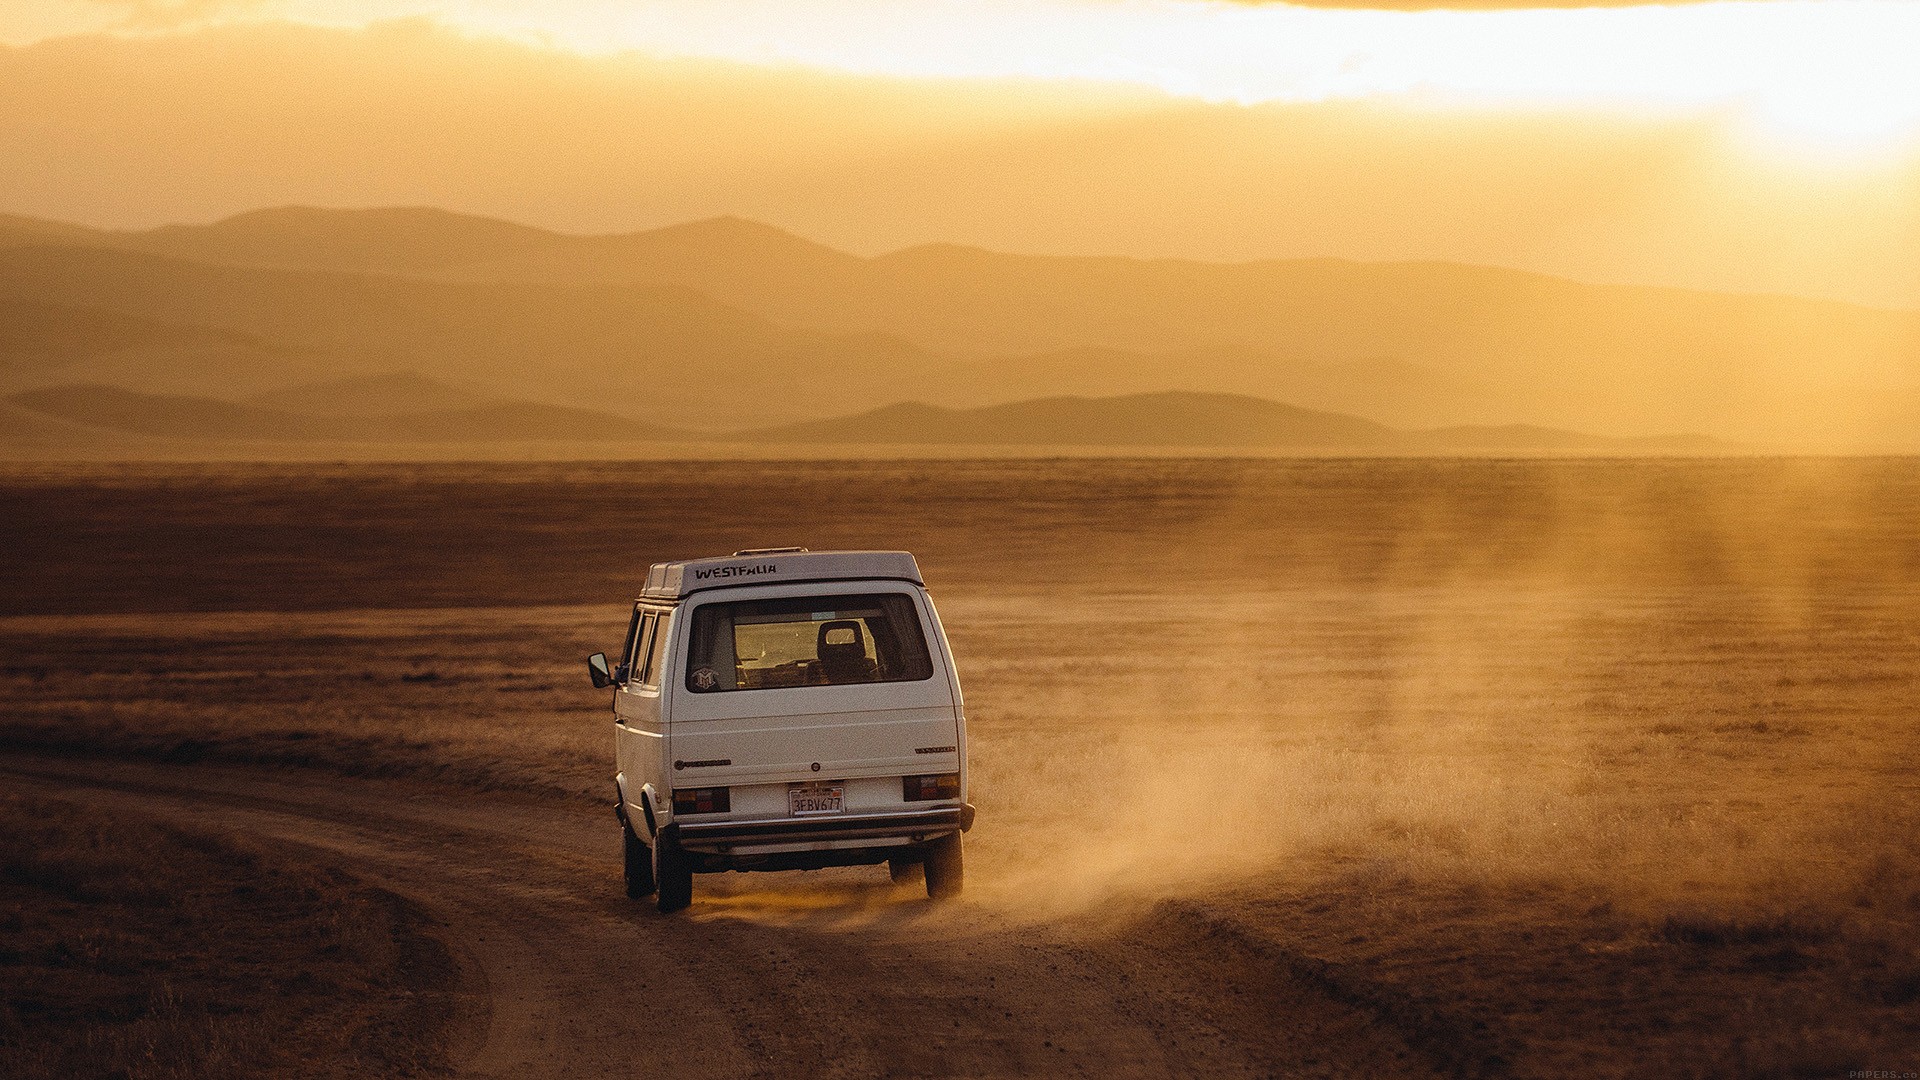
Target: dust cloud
(1638,683)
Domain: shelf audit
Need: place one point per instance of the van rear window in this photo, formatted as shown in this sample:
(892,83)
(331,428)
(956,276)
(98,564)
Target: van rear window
(806,641)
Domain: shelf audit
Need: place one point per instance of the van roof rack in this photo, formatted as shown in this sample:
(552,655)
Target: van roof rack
(769,551)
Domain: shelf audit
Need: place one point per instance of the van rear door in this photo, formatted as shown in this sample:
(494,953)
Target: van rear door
(844,682)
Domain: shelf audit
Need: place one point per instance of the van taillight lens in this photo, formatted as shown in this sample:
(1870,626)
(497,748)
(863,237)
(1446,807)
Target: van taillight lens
(923,788)
(702,800)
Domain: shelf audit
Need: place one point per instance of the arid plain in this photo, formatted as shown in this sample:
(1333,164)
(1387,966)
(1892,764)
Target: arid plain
(1295,767)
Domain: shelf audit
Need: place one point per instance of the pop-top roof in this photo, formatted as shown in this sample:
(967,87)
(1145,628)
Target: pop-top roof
(673,580)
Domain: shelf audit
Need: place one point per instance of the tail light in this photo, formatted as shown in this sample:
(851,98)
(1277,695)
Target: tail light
(925,788)
(702,800)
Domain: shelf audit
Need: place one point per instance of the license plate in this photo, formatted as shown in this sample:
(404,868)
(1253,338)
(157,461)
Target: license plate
(806,799)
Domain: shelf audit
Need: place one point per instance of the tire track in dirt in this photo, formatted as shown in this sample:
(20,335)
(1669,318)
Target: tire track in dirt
(830,974)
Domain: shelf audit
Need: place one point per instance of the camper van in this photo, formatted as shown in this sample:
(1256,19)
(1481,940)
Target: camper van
(786,709)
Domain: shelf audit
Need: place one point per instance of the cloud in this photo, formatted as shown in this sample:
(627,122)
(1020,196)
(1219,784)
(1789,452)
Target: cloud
(175,14)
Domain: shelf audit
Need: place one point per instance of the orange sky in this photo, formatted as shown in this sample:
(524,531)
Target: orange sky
(1760,146)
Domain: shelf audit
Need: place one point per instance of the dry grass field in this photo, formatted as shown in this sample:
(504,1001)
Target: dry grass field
(1561,768)
(142,952)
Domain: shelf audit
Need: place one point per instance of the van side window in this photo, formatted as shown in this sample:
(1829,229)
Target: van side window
(657,652)
(637,654)
(633,637)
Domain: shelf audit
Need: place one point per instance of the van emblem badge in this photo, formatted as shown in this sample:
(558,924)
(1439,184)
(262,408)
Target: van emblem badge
(705,678)
(816,766)
(736,570)
(709,763)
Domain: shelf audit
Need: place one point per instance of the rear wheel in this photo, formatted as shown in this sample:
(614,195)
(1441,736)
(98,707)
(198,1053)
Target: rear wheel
(904,871)
(639,865)
(672,875)
(945,869)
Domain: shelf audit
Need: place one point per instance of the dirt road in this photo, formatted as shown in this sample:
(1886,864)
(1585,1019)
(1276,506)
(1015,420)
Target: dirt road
(835,973)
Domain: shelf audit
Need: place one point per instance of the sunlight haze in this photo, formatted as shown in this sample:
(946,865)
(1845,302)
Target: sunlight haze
(965,206)
(1832,69)
(1761,147)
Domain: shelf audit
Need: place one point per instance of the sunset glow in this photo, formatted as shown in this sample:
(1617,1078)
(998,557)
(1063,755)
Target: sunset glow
(1422,493)
(1832,73)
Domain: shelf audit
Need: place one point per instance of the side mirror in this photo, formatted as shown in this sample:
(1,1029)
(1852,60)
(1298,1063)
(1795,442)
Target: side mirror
(598,671)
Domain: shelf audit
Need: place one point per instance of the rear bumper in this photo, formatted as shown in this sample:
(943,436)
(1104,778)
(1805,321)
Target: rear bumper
(909,827)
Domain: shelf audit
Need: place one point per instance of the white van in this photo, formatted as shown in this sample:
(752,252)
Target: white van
(781,709)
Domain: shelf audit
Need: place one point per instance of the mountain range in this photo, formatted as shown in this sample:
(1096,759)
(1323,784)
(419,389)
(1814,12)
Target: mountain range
(728,325)
(409,409)
(126,412)
(1213,421)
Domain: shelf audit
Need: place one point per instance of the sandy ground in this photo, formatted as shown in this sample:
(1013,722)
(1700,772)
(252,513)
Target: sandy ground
(1343,768)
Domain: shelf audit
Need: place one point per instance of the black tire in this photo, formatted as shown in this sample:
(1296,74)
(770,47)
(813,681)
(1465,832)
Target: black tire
(946,870)
(639,865)
(672,875)
(905,871)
